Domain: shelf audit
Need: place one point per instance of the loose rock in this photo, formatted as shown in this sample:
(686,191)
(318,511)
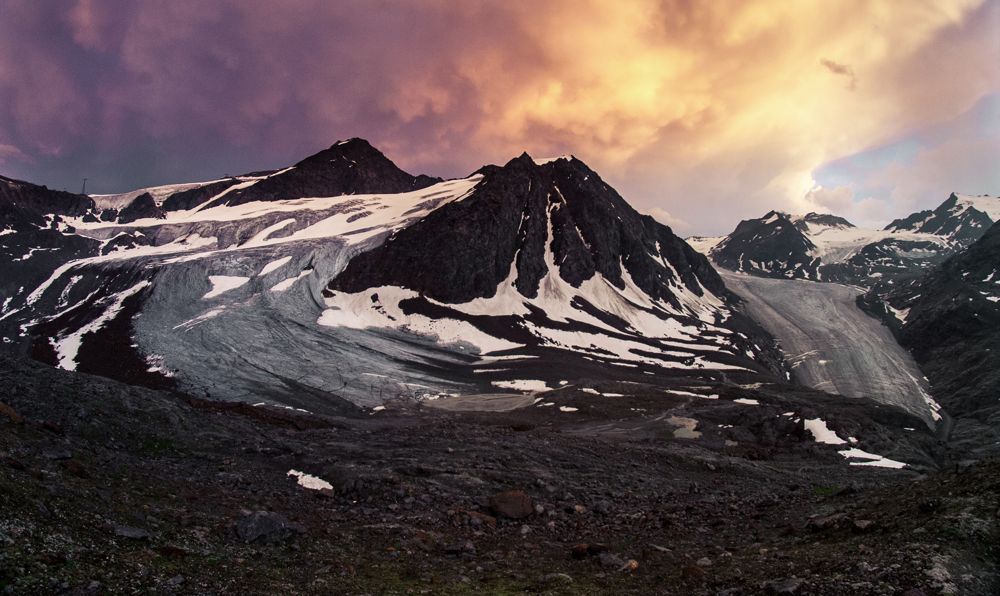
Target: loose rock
(266,527)
(513,504)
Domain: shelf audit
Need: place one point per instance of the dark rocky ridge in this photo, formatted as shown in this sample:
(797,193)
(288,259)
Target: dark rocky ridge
(963,225)
(475,240)
(41,240)
(143,206)
(823,219)
(347,167)
(17,196)
(953,328)
(774,241)
(781,246)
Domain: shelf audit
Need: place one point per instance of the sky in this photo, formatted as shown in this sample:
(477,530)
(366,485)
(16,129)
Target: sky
(700,113)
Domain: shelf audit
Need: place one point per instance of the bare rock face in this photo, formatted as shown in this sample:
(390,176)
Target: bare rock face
(770,246)
(141,207)
(952,327)
(512,504)
(463,250)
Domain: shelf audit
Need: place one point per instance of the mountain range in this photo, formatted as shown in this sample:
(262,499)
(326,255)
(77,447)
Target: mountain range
(364,380)
(928,277)
(482,282)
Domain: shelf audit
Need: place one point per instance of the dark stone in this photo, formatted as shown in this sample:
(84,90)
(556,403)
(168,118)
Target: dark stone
(601,507)
(863,525)
(131,533)
(266,527)
(14,463)
(611,560)
(512,504)
(141,207)
(783,586)
(11,414)
(826,522)
(77,469)
(552,579)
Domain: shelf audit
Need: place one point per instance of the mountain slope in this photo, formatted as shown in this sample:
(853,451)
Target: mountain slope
(550,255)
(511,278)
(347,167)
(35,236)
(950,320)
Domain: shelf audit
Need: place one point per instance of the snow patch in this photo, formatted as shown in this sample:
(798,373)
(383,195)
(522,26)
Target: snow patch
(224,283)
(309,481)
(821,433)
(281,286)
(871,459)
(379,308)
(273,265)
(522,385)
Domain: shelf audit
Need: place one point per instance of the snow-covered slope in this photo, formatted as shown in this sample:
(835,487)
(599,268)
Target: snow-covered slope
(159,194)
(524,275)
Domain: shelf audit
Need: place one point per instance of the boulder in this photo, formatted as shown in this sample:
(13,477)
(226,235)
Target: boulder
(11,414)
(512,504)
(266,527)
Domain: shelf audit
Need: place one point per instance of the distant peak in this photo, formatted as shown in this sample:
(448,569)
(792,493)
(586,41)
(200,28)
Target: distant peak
(541,161)
(355,141)
(354,148)
(772,216)
(824,219)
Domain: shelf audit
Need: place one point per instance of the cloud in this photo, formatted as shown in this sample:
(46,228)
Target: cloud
(710,111)
(919,170)
(841,69)
(663,216)
(11,153)
(831,200)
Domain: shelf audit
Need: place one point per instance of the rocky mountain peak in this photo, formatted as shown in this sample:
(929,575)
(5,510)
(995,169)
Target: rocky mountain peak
(825,219)
(353,166)
(522,220)
(959,217)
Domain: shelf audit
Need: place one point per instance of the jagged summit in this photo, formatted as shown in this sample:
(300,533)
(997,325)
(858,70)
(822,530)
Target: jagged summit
(822,219)
(353,166)
(963,218)
(517,213)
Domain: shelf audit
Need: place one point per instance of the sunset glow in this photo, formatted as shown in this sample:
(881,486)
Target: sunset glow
(701,113)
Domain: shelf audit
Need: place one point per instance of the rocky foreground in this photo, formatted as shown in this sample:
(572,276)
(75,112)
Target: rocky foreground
(108,488)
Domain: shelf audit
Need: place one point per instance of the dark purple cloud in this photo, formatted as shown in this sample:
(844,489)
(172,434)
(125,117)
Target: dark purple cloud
(133,93)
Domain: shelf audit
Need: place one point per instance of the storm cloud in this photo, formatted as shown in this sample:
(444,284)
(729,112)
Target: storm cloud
(700,112)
